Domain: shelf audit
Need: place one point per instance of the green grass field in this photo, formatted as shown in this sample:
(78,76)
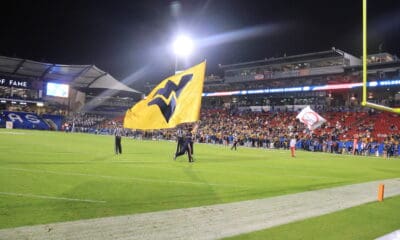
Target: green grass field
(51,177)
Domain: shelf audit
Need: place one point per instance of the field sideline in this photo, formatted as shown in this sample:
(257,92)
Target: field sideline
(52,177)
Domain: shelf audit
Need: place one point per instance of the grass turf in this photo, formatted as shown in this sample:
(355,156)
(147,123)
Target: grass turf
(145,178)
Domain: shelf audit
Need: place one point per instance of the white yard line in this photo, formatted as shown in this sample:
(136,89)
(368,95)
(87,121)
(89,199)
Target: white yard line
(50,197)
(211,222)
(13,133)
(163,181)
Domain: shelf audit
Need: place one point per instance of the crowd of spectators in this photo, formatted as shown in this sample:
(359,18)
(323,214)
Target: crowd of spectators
(375,132)
(82,122)
(274,130)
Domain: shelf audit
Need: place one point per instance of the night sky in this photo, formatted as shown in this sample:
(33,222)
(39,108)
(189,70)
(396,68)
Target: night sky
(132,39)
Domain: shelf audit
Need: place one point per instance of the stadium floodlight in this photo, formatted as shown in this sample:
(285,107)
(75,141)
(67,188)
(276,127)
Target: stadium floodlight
(183,46)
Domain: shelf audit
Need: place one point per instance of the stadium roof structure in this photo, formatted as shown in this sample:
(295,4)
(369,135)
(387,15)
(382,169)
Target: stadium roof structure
(334,52)
(77,76)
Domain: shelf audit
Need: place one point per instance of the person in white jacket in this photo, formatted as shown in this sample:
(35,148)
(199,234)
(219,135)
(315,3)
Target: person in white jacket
(292,145)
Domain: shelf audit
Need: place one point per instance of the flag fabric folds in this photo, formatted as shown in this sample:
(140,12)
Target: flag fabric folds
(310,118)
(175,100)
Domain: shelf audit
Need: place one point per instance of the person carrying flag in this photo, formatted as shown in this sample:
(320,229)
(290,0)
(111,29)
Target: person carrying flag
(175,100)
(188,144)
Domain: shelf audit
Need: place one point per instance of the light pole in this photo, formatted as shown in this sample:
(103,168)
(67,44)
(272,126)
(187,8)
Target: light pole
(183,47)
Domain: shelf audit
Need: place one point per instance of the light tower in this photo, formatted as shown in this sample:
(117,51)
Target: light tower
(182,47)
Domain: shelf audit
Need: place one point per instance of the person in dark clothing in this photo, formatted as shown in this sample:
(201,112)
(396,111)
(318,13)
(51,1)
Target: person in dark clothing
(180,139)
(191,144)
(118,134)
(187,145)
(235,142)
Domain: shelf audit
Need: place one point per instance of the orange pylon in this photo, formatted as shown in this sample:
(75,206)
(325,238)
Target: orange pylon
(381,192)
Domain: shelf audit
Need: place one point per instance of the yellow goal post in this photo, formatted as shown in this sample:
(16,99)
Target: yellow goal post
(364,102)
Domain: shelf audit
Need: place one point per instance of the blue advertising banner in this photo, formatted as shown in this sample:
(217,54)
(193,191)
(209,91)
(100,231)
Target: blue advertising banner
(26,120)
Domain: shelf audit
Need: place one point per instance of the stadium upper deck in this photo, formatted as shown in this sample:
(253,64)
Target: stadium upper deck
(331,78)
(311,64)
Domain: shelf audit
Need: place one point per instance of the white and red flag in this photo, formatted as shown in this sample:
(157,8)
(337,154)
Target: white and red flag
(310,118)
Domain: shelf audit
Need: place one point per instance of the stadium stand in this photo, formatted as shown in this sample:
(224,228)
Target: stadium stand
(34,91)
(256,102)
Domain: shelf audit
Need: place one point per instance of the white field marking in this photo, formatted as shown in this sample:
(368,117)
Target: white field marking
(372,156)
(335,155)
(13,133)
(58,153)
(130,161)
(50,197)
(125,178)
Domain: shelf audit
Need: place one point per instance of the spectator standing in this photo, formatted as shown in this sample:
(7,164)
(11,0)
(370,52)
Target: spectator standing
(292,144)
(118,134)
(235,142)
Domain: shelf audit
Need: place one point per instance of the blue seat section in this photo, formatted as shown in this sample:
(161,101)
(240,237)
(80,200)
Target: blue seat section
(26,120)
(2,121)
(55,121)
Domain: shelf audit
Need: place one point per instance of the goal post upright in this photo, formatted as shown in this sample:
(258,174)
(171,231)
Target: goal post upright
(364,101)
(364,57)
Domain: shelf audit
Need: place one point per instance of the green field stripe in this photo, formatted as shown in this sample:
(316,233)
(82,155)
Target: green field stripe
(243,173)
(124,178)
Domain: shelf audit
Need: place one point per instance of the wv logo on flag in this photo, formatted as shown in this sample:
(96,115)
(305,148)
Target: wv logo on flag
(175,100)
(166,97)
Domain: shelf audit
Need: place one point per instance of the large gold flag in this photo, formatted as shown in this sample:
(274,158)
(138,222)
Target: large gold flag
(175,100)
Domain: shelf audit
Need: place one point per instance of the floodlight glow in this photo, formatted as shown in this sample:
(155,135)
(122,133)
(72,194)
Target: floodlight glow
(183,46)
